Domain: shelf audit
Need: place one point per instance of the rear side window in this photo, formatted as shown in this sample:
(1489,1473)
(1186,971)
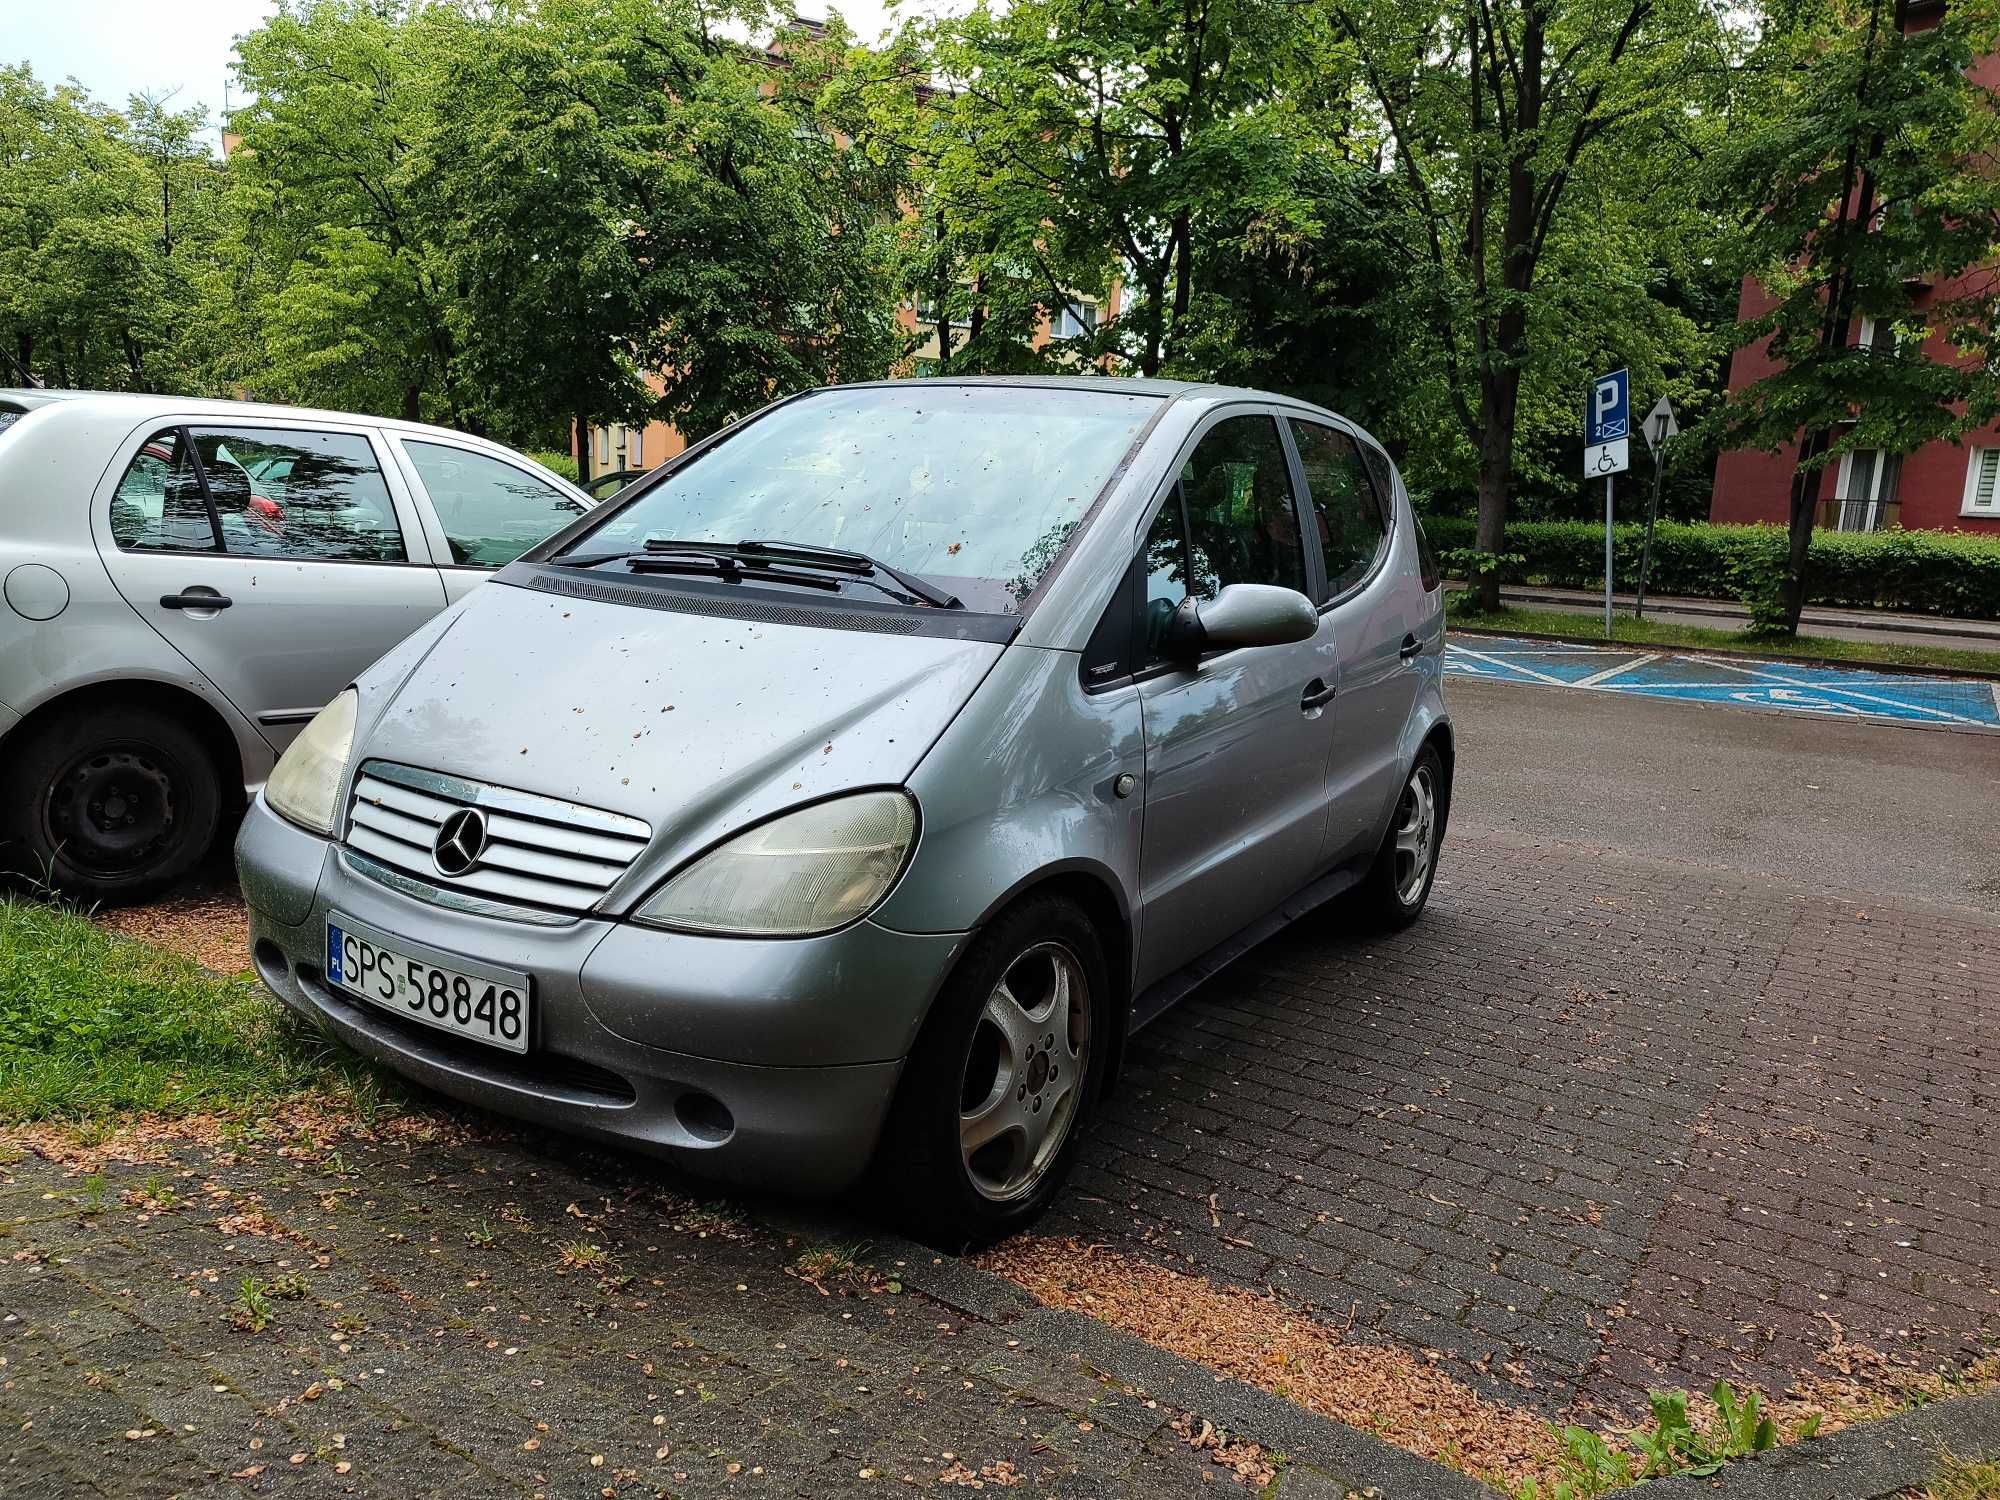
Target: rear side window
(159,505)
(1345,505)
(490,511)
(299,494)
(1427,563)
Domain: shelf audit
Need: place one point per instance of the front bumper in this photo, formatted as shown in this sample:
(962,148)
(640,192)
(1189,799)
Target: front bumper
(781,1056)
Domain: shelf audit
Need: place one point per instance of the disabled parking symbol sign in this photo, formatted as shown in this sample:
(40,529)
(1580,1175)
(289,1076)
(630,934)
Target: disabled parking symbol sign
(1607,426)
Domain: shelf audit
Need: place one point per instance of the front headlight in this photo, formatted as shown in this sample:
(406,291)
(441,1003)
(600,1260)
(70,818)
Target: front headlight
(305,786)
(805,872)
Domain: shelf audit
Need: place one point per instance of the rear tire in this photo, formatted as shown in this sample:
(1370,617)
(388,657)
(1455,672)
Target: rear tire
(1003,1076)
(1397,887)
(107,804)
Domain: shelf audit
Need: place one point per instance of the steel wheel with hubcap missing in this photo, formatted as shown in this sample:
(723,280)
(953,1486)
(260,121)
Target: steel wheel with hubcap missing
(1024,1071)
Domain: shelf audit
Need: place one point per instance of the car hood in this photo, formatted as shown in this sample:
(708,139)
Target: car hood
(697,724)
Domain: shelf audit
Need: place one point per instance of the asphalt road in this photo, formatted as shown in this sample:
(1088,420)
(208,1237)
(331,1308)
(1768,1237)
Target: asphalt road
(1843,806)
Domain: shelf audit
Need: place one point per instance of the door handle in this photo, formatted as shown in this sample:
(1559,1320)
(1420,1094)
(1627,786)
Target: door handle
(1411,646)
(195,599)
(1318,695)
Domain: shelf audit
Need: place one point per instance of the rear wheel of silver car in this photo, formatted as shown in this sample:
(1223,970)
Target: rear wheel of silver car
(1398,885)
(108,804)
(1003,1074)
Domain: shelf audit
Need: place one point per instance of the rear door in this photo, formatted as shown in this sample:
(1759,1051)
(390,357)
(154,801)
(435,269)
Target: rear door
(277,558)
(1236,743)
(1350,517)
(483,511)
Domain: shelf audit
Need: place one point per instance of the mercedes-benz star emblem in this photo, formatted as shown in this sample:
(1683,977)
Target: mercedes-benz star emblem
(461,839)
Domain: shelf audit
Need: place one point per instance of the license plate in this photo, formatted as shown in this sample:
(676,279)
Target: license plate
(487,1005)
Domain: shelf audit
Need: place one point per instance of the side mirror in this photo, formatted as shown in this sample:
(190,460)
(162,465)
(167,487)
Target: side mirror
(1243,614)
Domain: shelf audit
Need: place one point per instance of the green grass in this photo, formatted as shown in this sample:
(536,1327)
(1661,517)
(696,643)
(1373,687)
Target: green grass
(1628,631)
(94,1027)
(1958,1480)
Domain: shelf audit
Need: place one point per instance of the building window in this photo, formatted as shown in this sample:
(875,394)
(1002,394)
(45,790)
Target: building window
(603,446)
(1867,493)
(1982,484)
(636,457)
(1075,320)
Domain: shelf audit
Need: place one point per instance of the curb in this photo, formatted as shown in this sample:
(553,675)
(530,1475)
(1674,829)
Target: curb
(1963,674)
(1867,1461)
(1337,1458)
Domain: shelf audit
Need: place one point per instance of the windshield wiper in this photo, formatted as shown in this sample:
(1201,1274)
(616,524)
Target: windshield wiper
(728,568)
(859,564)
(765,561)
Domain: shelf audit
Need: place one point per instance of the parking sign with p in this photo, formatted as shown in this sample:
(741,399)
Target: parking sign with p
(1607,426)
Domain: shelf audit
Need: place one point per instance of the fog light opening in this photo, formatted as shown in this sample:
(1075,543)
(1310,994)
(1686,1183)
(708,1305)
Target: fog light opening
(270,961)
(704,1117)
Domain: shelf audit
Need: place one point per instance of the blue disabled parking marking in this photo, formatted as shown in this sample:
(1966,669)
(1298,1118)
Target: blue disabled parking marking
(1833,692)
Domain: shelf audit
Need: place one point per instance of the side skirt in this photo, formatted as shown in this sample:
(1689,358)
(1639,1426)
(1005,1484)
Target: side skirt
(1163,993)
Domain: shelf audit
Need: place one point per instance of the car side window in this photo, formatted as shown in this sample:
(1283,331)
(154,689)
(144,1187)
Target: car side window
(1230,519)
(1345,506)
(158,505)
(292,492)
(490,511)
(1243,526)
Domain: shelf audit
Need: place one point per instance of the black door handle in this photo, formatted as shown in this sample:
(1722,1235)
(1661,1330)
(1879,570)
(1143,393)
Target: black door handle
(1318,695)
(194,600)
(1411,646)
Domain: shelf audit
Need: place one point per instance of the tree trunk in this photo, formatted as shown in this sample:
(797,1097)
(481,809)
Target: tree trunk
(582,449)
(1805,505)
(413,403)
(1499,400)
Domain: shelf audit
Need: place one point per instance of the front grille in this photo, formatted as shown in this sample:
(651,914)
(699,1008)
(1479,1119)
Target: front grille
(541,852)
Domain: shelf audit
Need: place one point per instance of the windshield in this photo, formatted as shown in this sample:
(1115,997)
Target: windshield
(973,488)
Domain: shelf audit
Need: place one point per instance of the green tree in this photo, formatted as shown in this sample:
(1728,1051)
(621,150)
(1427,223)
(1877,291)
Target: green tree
(1069,145)
(352,301)
(1545,148)
(1863,172)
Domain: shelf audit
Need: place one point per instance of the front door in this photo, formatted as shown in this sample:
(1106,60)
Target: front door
(1375,609)
(1236,743)
(273,558)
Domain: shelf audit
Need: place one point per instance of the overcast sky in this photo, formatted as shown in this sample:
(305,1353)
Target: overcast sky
(116,48)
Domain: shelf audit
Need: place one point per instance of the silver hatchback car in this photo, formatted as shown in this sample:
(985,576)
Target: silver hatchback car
(849,790)
(184,584)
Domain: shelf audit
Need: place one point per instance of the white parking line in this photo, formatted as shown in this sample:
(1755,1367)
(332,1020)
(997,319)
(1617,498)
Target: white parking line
(1767,675)
(1510,666)
(1629,665)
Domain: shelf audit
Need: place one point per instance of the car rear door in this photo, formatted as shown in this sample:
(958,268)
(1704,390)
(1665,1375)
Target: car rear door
(482,511)
(278,558)
(1236,743)
(1367,600)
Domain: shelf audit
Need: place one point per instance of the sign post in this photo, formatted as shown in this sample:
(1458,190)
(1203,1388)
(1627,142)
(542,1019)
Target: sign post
(1607,450)
(1661,429)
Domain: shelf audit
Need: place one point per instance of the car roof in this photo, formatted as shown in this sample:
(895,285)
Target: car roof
(141,403)
(1203,392)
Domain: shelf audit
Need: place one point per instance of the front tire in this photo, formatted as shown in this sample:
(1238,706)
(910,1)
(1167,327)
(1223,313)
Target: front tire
(1397,887)
(108,804)
(1003,1075)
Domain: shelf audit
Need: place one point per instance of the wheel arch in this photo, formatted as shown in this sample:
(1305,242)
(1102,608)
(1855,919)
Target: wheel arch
(217,737)
(1093,888)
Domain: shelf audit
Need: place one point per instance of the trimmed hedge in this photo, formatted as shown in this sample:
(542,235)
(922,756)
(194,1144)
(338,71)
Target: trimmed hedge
(1923,572)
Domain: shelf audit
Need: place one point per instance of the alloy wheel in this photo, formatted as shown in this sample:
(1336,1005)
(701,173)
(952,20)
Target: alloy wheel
(1416,834)
(1023,1072)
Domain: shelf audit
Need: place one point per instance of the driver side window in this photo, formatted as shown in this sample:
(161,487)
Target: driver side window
(1232,518)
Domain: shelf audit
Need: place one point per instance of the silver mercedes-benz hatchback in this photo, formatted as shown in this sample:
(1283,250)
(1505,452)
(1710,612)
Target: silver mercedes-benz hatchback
(850,789)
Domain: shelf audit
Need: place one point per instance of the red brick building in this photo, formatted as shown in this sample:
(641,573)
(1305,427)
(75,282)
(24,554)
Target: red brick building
(1939,486)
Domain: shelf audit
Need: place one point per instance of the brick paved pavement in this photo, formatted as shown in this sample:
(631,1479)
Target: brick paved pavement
(1598,1122)
(434,1342)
